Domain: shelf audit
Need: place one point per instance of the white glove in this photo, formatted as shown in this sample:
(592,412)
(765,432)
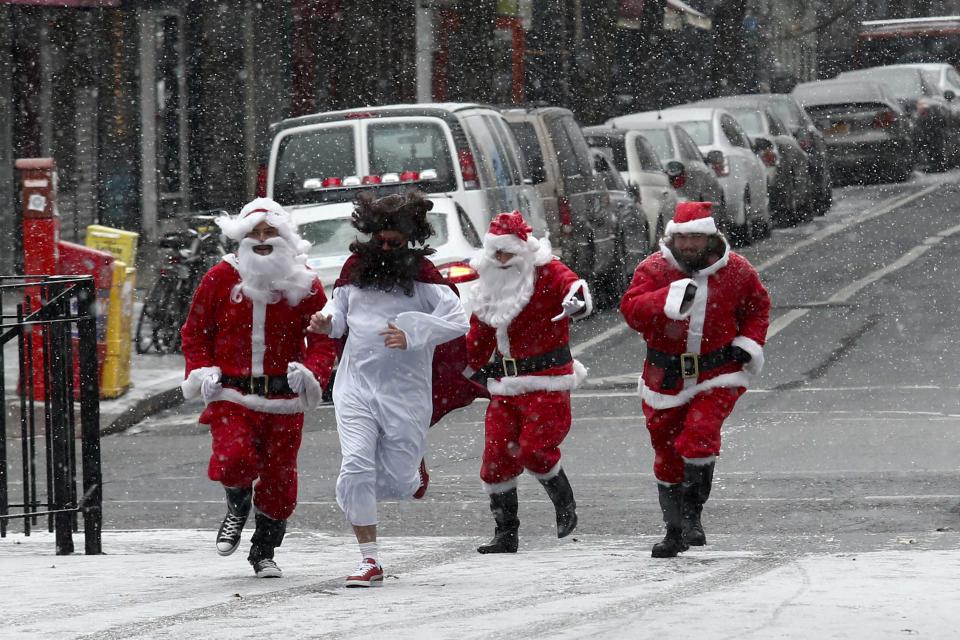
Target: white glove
(210,386)
(571,307)
(305,384)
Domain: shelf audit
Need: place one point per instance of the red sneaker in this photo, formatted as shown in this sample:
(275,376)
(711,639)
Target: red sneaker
(424,480)
(368,574)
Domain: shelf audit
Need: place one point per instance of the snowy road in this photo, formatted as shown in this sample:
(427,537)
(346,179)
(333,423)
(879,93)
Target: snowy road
(848,445)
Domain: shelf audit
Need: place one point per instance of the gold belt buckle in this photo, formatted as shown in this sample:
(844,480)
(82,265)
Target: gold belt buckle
(689,365)
(507,363)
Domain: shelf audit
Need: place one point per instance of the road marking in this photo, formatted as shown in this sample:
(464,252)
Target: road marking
(886,206)
(855,287)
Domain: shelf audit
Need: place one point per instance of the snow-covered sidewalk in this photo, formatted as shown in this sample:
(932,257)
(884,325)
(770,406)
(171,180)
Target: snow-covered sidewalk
(171,584)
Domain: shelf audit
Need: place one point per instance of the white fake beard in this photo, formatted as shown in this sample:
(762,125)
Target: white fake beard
(266,277)
(504,290)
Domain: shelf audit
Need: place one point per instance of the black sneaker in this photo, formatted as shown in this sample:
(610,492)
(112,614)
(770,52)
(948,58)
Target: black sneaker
(238,508)
(267,568)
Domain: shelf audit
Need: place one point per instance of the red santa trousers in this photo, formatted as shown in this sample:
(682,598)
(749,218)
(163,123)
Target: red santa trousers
(689,431)
(252,446)
(524,432)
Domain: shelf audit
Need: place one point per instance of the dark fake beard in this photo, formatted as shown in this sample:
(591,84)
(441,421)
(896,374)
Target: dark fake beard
(386,270)
(694,262)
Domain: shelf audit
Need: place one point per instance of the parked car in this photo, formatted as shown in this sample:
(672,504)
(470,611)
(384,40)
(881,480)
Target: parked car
(788,173)
(329,227)
(868,135)
(689,174)
(467,150)
(640,168)
(727,149)
(936,120)
(810,139)
(580,218)
(941,74)
(788,166)
(633,242)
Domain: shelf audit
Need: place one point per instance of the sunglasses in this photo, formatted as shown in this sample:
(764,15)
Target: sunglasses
(393,243)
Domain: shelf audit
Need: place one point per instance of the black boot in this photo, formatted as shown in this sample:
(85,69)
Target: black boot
(561,494)
(697,481)
(671,503)
(238,508)
(504,507)
(266,538)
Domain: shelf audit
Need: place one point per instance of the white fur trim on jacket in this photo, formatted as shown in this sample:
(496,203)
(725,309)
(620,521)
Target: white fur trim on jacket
(580,285)
(191,386)
(671,308)
(236,228)
(755,366)
(703,225)
(254,402)
(518,385)
(659,400)
(312,393)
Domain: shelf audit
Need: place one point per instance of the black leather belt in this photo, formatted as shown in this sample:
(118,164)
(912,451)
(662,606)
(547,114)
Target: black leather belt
(258,385)
(510,367)
(677,367)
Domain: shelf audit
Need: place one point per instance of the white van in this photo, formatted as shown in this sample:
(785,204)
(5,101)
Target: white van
(464,151)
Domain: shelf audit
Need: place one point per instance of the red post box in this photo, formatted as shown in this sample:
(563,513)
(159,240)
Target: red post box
(44,254)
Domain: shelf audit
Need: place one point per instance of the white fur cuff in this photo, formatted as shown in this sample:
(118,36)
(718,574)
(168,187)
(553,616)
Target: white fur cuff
(191,386)
(755,366)
(675,299)
(312,393)
(580,285)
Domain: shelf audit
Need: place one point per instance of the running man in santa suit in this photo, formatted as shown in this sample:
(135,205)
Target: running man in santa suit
(703,313)
(250,358)
(394,309)
(522,317)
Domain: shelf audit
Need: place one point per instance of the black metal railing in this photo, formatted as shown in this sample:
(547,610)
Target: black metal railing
(52,321)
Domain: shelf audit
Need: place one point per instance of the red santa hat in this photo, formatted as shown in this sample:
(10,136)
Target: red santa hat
(692,217)
(510,232)
(255,212)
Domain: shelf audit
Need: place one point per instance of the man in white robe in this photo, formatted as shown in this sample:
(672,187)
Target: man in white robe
(394,309)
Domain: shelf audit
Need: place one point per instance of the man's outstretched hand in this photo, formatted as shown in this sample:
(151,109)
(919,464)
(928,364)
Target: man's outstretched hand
(320,323)
(394,337)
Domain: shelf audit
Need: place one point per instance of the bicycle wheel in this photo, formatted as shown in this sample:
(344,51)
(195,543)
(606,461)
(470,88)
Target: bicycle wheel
(156,327)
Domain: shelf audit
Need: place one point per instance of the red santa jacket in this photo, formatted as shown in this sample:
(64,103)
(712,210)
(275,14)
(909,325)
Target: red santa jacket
(531,333)
(731,307)
(242,337)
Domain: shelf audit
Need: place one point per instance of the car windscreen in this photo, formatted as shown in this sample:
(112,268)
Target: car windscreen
(333,236)
(308,160)
(700,130)
(309,157)
(660,141)
(788,111)
(526,137)
(749,119)
(396,147)
(612,147)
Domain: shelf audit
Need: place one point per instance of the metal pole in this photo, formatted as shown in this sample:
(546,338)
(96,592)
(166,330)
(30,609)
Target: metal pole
(90,419)
(59,433)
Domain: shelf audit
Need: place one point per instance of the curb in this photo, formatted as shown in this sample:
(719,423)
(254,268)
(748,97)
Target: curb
(144,409)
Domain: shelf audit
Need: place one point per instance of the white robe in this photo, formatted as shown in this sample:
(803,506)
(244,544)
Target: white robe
(384,397)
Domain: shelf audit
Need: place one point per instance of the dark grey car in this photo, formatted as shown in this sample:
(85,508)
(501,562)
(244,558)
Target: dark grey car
(581,222)
(868,135)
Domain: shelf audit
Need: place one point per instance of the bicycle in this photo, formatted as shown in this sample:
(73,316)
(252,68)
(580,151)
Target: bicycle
(191,252)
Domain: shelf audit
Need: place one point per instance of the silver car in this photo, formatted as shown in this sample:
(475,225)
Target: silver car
(727,149)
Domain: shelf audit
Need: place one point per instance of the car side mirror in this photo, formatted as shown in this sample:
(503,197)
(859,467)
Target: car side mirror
(949,95)
(761,144)
(634,190)
(600,165)
(674,169)
(715,157)
(537,175)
